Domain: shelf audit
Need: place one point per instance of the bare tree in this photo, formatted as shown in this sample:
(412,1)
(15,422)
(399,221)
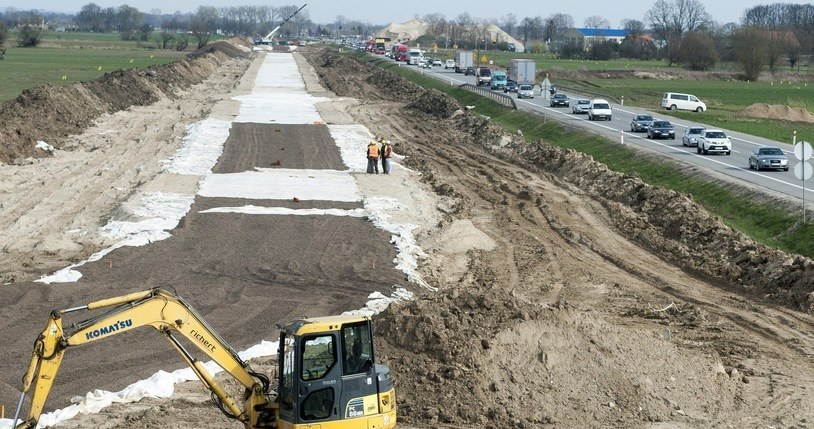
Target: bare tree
(556,25)
(596,22)
(698,52)
(672,19)
(750,51)
(509,23)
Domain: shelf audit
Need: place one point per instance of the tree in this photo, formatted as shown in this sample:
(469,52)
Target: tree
(144,32)
(164,40)
(556,25)
(596,22)
(30,36)
(750,51)
(181,41)
(509,23)
(90,18)
(672,19)
(2,39)
(602,50)
(698,52)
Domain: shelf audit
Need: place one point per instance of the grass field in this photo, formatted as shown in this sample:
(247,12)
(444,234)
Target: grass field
(65,58)
(766,224)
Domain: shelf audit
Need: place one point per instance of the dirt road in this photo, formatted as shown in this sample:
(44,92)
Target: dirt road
(569,296)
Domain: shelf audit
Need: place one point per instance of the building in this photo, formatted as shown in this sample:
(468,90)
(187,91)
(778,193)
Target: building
(588,36)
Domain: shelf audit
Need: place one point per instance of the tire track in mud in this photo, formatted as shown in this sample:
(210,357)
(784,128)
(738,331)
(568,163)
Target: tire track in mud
(525,203)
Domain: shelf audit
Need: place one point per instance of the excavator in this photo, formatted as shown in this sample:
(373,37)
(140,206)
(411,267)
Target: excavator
(326,376)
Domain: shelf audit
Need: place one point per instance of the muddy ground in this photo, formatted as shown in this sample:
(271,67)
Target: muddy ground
(569,295)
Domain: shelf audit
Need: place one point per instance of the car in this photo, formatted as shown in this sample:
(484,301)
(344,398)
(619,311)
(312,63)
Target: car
(422,63)
(470,71)
(511,86)
(449,64)
(661,130)
(581,106)
(559,100)
(714,141)
(768,157)
(437,62)
(525,90)
(674,100)
(599,109)
(641,122)
(691,135)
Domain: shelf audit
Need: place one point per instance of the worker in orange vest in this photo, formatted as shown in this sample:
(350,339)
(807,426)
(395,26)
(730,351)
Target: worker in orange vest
(387,152)
(372,157)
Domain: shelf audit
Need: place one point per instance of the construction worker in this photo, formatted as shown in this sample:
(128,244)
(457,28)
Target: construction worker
(387,152)
(372,157)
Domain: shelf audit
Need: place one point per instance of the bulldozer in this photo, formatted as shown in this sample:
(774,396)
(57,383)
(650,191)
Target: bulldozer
(326,378)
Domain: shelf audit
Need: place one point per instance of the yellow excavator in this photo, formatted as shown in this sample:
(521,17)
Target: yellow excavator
(326,378)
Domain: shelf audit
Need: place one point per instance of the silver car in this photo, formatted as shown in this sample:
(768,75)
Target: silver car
(763,158)
(640,123)
(525,91)
(581,106)
(691,135)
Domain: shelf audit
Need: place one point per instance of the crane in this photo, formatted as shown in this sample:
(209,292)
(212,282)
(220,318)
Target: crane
(267,40)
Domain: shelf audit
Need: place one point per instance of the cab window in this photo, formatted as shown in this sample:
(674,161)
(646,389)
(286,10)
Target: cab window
(318,356)
(357,346)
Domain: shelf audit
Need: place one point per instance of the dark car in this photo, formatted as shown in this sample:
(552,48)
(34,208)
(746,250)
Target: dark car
(640,123)
(511,86)
(470,71)
(559,100)
(768,157)
(661,130)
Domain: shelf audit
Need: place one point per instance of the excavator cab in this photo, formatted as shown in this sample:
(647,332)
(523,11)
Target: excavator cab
(327,376)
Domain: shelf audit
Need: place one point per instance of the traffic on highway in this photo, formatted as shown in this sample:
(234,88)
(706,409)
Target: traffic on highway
(731,163)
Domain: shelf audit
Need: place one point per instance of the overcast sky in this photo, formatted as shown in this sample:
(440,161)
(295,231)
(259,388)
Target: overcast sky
(326,11)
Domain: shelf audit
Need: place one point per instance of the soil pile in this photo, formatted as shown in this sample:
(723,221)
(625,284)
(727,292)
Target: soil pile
(51,114)
(779,112)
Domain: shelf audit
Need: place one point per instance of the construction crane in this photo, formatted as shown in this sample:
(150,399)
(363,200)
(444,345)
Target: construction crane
(267,40)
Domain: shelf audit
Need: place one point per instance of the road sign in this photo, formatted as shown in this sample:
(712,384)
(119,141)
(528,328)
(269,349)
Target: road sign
(483,59)
(803,151)
(803,171)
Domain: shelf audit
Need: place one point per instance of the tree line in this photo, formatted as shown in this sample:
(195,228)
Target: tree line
(677,31)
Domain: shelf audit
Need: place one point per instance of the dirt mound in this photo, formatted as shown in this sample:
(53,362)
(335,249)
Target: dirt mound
(435,103)
(51,114)
(779,112)
(232,49)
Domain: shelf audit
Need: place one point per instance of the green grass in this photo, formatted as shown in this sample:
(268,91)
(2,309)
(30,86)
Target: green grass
(65,58)
(770,225)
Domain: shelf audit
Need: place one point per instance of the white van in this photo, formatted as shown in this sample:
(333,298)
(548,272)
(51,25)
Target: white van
(675,100)
(599,109)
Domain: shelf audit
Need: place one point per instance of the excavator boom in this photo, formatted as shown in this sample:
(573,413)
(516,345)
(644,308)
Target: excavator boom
(271,34)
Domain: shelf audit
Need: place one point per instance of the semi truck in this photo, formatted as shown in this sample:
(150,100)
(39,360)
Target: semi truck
(522,71)
(399,52)
(463,59)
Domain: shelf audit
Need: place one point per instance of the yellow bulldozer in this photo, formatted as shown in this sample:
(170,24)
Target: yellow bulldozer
(326,378)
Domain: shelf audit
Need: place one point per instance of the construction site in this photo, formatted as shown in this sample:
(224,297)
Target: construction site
(510,283)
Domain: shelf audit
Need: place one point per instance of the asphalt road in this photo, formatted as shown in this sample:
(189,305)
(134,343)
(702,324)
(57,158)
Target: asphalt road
(733,168)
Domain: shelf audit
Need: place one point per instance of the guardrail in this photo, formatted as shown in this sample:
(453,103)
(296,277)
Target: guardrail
(503,99)
(592,94)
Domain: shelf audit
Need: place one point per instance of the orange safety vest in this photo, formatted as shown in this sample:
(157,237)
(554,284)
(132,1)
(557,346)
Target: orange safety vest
(372,151)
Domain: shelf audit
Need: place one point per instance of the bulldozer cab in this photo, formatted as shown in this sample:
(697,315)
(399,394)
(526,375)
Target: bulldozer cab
(327,373)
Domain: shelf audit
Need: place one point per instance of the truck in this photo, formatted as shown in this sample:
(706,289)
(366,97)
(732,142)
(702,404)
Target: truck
(463,59)
(326,372)
(414,55)
(499,79)
(483,76)
(399,52)
(522,71)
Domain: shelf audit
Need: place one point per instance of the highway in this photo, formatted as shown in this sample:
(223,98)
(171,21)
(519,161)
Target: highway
(733,168)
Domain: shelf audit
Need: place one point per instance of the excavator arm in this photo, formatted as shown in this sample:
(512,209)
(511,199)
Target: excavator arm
(170,315)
